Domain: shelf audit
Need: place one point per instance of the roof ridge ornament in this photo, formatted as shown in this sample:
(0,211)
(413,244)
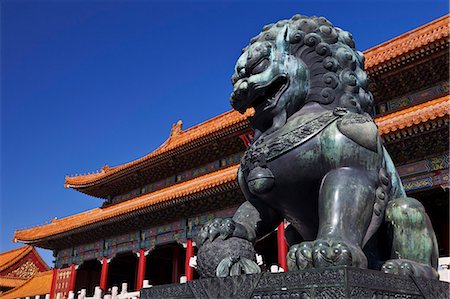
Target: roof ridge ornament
(177,128)
(105,168)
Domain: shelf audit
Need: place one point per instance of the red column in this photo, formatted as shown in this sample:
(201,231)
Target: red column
(189,253)
(282,247)
(73,277)
(176,261)
(53,286)
(104,275)
(141,269)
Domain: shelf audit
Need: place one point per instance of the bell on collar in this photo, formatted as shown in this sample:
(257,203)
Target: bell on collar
(260,180)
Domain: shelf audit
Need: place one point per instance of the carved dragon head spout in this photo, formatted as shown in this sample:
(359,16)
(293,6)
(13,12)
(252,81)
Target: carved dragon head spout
(298,61)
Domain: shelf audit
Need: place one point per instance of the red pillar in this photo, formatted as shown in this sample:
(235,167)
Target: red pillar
(176,261)
(141,269)
(53,286)
(104,274)
(73,277)
(189,253)
(282,247)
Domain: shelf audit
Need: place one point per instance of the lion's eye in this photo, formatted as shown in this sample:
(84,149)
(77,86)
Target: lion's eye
(260,67)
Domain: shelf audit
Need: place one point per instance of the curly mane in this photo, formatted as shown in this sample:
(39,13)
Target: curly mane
(336,68)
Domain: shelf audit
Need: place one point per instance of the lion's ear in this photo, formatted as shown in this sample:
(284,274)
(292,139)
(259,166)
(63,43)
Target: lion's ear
(282,40)
(286,33)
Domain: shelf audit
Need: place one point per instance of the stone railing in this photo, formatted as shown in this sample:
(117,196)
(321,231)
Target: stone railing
(444,269)
(124,294)
(98,294)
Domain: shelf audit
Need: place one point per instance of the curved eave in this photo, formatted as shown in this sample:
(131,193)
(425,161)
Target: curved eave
(216,127)
(407,43)
(414,116)
(204,185)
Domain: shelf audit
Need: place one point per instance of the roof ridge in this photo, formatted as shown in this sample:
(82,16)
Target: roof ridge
(407,42)
(169,144)
(409,32)
(15,249)
(164,144)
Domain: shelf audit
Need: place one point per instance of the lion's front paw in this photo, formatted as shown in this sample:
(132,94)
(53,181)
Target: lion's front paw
(325,253)
(408,267)
(214,228)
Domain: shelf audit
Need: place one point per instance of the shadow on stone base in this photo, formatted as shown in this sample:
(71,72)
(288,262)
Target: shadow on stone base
(336,282)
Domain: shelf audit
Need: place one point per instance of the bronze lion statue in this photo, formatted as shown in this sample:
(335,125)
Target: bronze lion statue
(317,161)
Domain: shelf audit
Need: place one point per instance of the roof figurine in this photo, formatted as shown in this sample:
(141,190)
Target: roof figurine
(177,128)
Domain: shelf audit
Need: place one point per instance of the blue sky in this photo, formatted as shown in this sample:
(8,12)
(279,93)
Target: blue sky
(89,83)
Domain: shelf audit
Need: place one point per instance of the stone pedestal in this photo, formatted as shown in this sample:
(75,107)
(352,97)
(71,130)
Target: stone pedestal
(336,282)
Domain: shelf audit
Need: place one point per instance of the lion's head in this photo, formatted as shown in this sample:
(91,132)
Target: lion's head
(296,61)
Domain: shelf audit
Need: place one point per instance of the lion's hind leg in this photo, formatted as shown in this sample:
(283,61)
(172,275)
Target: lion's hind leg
(414,247)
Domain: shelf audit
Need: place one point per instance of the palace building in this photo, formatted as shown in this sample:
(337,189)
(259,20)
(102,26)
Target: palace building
(154,206)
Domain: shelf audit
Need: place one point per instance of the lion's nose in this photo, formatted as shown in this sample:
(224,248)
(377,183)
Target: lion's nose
(240,90)
(239,93)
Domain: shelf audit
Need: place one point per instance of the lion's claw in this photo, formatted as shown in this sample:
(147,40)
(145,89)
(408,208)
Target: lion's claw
(214,228)
(227,227)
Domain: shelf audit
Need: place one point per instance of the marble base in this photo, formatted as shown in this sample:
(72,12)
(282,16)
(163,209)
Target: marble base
(335,282)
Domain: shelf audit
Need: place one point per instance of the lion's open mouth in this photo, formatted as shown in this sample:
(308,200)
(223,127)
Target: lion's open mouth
(264,97)
(270,94)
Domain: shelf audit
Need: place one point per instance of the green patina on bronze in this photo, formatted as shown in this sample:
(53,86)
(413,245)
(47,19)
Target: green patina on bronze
(317,161)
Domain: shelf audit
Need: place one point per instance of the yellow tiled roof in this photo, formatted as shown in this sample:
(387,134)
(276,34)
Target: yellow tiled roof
(407,42)
(39,284)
